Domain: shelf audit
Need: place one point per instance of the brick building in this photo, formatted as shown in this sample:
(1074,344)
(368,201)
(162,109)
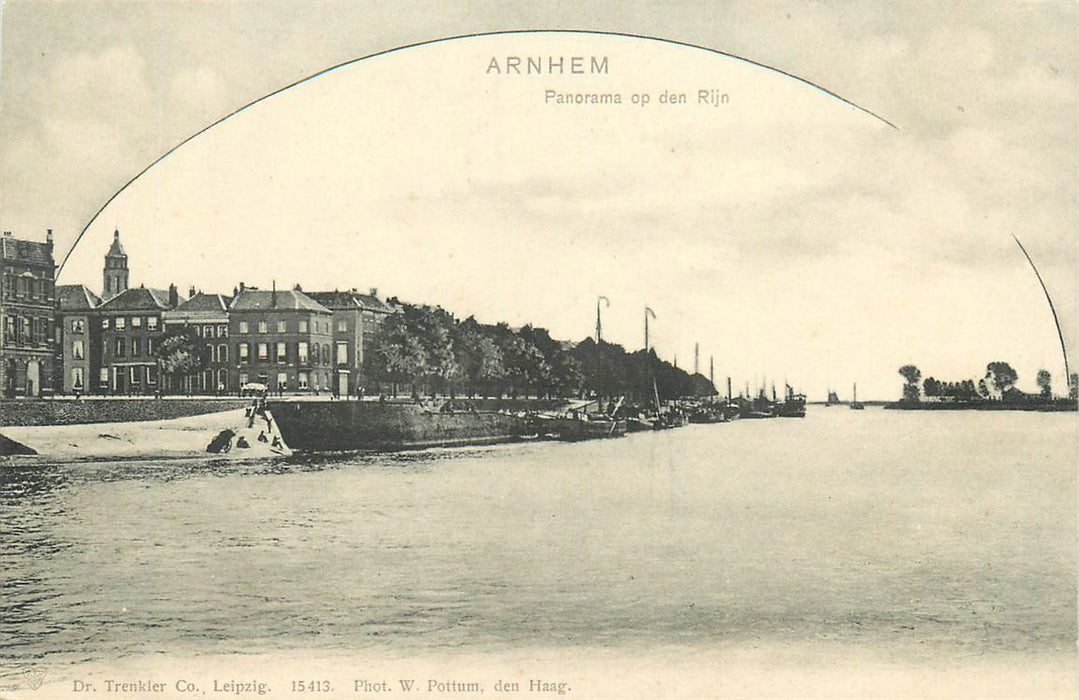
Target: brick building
(78,339)
(27,312)
(357,319)
(207,317)
(130,325)
(282,340)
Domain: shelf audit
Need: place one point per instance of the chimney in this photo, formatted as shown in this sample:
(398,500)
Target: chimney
(7,234)
(191,291)
(374,291)
(273,295)
(297,288)
(174,297)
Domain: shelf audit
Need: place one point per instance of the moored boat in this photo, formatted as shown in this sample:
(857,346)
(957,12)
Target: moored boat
(329,425)
(793,407)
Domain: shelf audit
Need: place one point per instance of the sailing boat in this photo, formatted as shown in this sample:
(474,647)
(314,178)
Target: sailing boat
(833,398)
(855,404)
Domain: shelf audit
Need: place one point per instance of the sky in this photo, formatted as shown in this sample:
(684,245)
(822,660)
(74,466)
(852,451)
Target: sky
(794,237)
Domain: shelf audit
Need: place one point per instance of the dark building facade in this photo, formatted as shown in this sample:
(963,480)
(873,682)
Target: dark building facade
(78,339)
(131,325)
(27,310)
(357,319)
(282,340)
(207,317)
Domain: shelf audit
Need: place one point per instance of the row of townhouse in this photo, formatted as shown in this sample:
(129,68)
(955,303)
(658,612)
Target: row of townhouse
(27,302)
(66,339)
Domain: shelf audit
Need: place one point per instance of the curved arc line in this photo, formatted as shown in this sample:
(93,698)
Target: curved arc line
(1056,319)
(428,42)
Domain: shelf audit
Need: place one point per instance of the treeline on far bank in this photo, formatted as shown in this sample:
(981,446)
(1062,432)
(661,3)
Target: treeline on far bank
(998,385)
(426,350)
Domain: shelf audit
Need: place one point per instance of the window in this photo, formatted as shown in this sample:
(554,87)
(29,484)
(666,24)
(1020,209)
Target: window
(222,353)
(263,327)
(303,326)
(223,331)
(136,321)
(121,346)
(282,380)
(105,324)
(121,323)
(243,353)
(326,357)
(78,351)
(151,323)
(9,328)
(303,381)
(302,348)
(342,353)
(151,376)
(150,346)
(103,376)
(314,354)
(136,347)
(222,379)
(281,326)
(243,327)
(282,353)
(243,378)
(264,351)
(78,326)
(207,331)
(342,325)
(135,375)
(77,378)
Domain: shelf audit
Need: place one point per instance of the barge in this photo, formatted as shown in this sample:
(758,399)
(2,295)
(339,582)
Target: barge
(331,425)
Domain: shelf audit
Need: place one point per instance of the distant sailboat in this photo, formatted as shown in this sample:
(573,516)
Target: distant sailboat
(855,404)
(833,398)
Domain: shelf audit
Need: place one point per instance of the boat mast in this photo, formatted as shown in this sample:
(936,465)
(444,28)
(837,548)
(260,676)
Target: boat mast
(599,318)
(647,312)
(1056,320)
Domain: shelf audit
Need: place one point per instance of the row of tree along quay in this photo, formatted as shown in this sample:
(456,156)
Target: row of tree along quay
(425,350)
(996,390)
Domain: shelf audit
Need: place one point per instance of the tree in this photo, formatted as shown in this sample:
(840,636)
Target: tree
(932,387)
(1045,383)
(180,354)
(1000,377)
(912,375)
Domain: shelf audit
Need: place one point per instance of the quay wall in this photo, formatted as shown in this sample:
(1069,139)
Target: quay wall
(30,412)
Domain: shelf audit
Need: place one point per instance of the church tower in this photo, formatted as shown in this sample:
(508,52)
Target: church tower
(115,269)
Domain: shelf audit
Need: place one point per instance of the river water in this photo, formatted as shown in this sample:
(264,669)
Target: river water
(920,535)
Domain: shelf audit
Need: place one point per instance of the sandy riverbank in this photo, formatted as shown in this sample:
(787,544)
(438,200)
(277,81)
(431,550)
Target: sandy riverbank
(161,439)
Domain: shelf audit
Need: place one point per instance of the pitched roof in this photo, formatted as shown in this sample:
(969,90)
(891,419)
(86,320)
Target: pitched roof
(206,302)
(139,299)
(115,249)
(282,299)
(76,297)
(334,300)
(350,300)
(25,251)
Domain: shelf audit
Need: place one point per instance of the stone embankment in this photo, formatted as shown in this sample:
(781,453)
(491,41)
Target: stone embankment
(109,409)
